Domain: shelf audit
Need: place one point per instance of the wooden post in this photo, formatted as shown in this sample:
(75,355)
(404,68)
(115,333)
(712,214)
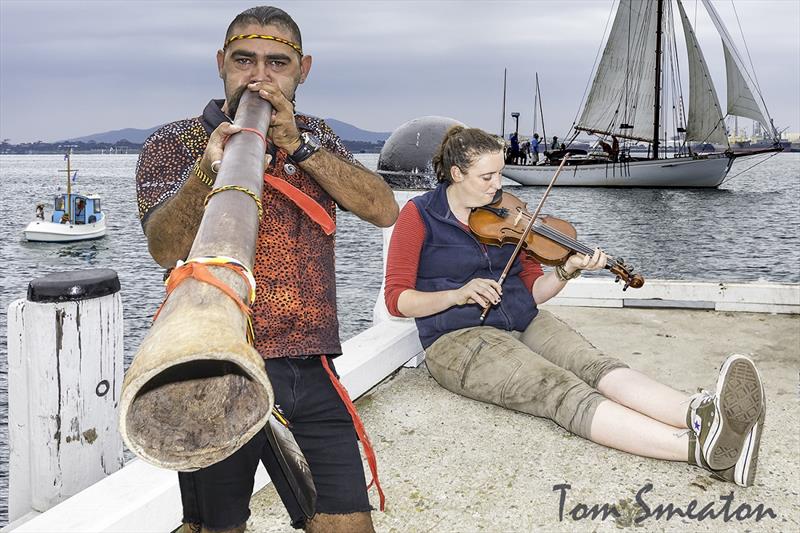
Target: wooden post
(64,372)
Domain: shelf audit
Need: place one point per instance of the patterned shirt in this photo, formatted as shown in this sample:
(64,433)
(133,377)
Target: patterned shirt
(295,309)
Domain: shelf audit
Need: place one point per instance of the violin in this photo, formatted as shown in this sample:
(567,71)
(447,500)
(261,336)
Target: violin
(550,240)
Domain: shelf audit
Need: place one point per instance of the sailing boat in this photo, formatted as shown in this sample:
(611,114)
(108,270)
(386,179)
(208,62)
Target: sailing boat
(625,103)
(75,217)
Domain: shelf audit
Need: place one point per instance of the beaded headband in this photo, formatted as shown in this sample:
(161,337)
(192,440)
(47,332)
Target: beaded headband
(268,38)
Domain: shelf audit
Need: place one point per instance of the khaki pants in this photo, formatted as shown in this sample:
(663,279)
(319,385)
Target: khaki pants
(549,370)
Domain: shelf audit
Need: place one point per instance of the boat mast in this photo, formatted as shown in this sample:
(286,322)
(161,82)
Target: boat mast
(543,138)
(503,119)
(69,182)
(535,104)
(657,98)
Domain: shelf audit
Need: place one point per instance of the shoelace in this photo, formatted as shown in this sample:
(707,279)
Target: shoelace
(698,400)
(702,397)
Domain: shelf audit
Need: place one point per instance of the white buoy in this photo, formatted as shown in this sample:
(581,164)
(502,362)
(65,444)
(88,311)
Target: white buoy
(64,376)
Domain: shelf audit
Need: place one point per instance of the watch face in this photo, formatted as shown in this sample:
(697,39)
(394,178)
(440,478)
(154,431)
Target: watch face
(309,146)
(311,140)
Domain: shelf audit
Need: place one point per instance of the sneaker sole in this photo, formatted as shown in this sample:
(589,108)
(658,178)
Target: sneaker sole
(745,471)
(740,404)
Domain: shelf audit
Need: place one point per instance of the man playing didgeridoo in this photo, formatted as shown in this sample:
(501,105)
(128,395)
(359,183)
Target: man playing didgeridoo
(294,314)
(526,359)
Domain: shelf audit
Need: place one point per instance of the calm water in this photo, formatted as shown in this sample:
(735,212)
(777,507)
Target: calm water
(747,230)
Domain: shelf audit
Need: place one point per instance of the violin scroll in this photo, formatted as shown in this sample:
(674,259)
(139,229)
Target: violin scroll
(625,273)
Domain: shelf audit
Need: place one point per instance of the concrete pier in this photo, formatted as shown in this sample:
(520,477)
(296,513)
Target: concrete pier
(452,464)
(448,463)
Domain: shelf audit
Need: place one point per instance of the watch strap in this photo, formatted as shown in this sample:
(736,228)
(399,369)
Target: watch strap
(306,150)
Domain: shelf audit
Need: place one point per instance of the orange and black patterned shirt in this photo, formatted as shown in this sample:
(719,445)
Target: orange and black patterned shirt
(295,309)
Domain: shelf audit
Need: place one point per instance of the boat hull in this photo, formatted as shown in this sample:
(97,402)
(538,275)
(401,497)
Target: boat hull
(705,172)
(43,231)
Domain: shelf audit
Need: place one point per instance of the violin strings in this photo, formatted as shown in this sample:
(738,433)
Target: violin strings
(564,240)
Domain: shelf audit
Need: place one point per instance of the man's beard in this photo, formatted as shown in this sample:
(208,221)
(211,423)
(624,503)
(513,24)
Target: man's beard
(233,103)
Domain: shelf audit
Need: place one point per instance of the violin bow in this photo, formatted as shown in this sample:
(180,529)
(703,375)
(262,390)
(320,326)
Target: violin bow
(526,232)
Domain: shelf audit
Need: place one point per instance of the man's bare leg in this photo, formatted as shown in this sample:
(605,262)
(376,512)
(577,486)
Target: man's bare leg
(341,523)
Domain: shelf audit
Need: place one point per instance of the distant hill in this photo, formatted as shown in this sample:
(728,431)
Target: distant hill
(346,131)
(131,134)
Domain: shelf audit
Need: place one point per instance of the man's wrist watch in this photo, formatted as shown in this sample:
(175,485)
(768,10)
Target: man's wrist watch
(309,145)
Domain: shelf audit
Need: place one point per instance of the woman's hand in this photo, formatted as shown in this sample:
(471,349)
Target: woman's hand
(577,261)
(484,292)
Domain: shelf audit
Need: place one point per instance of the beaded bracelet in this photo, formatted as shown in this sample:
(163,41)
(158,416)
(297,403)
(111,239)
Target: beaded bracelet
(563,275)
(205,178)
(248,192)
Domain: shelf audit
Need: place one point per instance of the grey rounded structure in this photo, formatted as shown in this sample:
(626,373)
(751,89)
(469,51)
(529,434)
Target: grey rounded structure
(405,160)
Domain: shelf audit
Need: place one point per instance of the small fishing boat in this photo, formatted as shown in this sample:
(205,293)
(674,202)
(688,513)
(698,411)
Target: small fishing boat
(75,217)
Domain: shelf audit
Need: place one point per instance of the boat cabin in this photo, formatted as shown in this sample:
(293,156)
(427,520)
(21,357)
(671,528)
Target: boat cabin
(76,209)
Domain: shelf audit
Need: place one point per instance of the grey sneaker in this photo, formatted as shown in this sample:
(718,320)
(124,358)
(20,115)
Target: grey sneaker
(721,423)
(743,473)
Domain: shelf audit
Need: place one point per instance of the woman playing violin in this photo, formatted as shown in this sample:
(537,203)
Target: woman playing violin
(524,358)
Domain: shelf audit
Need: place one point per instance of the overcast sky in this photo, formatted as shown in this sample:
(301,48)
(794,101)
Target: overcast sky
(72,68)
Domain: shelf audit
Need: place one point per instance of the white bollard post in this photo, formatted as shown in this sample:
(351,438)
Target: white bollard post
(64,374)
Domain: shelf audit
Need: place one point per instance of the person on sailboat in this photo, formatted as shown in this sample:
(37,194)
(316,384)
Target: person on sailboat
(611,150)
(524,151)
(513,153)
(535,149)
(524,358)
(294,313)
(554,144)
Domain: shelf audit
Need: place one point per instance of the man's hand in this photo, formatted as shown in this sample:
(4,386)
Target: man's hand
(216,145)
(282,127)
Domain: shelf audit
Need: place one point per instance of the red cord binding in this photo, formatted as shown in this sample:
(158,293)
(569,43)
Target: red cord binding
(362,434)
(308,205)
(200,272)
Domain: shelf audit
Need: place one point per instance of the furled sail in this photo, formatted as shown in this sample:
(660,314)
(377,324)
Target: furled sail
(741,101)
(705,122)
(623,90)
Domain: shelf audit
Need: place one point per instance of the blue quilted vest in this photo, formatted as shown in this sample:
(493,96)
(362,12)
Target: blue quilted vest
(451,257)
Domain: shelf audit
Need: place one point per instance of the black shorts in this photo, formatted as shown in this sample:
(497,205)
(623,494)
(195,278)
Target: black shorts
(219,496)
